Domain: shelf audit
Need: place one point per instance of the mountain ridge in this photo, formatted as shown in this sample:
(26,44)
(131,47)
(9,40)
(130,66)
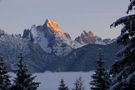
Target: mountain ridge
(53,40)
(46,49)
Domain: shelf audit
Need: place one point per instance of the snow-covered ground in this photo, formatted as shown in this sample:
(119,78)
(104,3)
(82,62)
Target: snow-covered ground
(51,80)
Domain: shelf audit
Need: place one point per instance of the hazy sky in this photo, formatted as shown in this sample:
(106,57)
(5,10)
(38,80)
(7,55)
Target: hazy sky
(73,16)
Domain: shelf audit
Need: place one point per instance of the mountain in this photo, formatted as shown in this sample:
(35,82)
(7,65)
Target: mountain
(89,38)
(86,38)
(47,47)
(37,60)
(50,38)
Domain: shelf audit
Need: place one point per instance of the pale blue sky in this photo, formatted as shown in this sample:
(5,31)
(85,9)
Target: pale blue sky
(73,16)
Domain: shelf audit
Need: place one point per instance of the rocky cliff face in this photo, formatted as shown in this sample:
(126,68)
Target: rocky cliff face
(50,38)
(89,38)
(86,38)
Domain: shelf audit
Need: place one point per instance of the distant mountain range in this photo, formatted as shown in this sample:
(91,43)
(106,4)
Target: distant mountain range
(47,47)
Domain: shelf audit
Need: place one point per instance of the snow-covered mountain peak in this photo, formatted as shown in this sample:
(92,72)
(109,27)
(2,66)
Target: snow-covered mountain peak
(53,26)
(50,38)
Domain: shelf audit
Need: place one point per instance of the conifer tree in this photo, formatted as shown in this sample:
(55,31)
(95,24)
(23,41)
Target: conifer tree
(123,71)
(101,79)
(62,85)
(5,83)
(78,84)
(24,80)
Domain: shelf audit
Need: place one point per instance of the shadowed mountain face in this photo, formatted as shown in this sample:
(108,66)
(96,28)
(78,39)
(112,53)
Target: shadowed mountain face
(83,59)
(46,47)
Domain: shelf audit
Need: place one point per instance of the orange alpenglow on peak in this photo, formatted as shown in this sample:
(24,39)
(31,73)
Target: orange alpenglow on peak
(54,26)
(88,34)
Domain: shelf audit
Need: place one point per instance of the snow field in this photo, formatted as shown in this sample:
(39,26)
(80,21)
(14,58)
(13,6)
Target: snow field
(51,80)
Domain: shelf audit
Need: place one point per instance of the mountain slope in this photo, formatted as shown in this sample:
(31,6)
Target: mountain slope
(83,59)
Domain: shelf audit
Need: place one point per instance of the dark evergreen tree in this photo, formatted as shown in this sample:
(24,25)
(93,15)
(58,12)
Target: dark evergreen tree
(24,80)
(78,84)
(5,83)
(62,85)
(101,78)
(123,71)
